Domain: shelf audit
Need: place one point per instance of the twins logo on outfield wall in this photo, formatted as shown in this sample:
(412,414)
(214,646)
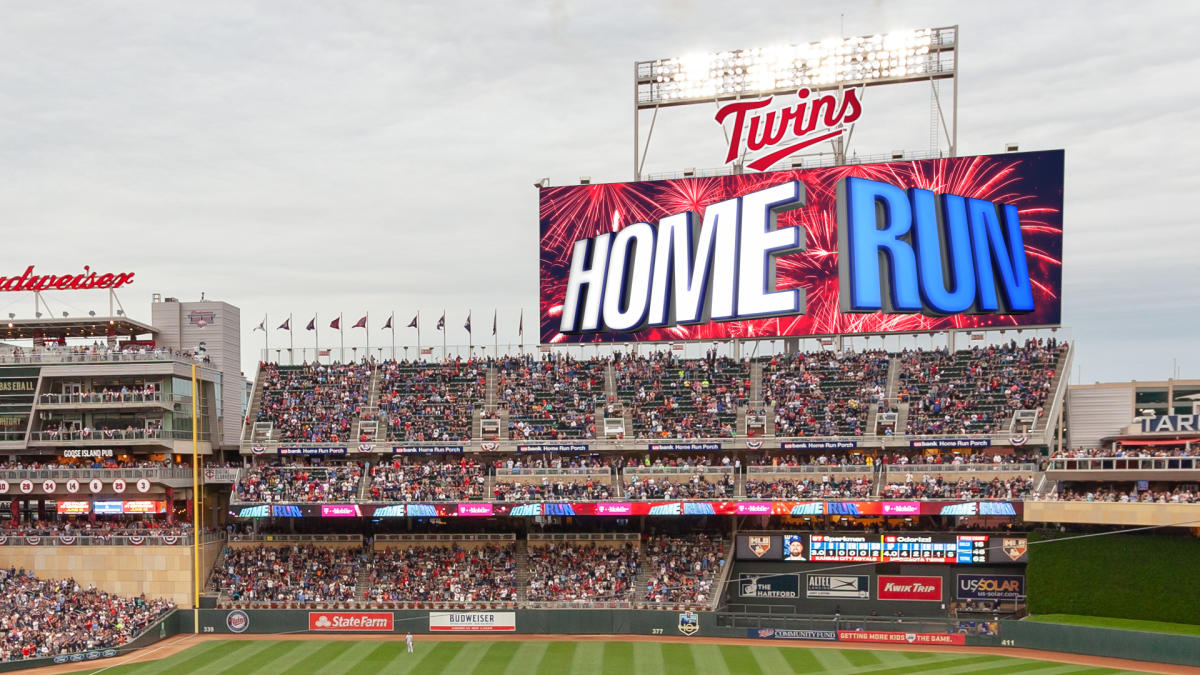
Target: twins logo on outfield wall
(689,623)
(237,621)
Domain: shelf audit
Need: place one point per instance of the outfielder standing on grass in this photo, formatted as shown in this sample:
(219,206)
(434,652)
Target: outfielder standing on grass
(408,641)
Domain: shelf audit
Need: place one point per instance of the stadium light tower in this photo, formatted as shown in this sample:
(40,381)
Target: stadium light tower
(927,54)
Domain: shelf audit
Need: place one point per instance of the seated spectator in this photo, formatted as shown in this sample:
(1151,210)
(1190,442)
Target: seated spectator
(299,483)
(46,617)
(430,402)
(682,569)
(582,572)
(429,481)
(443,575)
(301,574)
(313,403)
(675,486)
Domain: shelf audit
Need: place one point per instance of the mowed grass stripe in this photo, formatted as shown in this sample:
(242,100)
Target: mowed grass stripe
(648,658)
(379,658)
(739,660)
(677,659)
(327,652)
(526,658)
(268,655)
(467,658)
(999,667)
(200,657)
(345,661)
(618,658)
(556,659)
(434,659)
(832,660)
(802,660)
(938,663)
(770,660)
(496,658)
(860,658)
(709,660)
(589,659)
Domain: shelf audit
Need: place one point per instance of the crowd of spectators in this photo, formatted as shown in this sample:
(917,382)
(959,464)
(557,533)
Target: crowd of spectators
(796,488)
(443,575)
(1181,450)
(300,573)
(681,569)
(420,401)
(518,463)
(583,572)
(677,398)
(126,393)
(299,483)
(552,398)
(675,486)
(1125,493)
(396,481)
(313,403)
(554,489)
(825,393)
(48,617)
(940,487)
(975,391)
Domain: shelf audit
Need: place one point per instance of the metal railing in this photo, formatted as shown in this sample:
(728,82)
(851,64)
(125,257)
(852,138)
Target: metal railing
(55,356)
(82,475)
(15,538)
(677,470)
(989,467)
(102,435)
(294,538)
(110,397)
(809,469)
(1124,464)
(566,471)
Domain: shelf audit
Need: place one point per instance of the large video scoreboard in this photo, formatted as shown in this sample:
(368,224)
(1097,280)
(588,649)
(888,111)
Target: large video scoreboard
(936,547)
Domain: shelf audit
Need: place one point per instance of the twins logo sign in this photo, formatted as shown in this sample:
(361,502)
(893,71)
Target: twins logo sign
(237,621)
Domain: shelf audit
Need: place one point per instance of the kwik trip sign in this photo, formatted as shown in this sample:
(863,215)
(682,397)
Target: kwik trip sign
(965,242)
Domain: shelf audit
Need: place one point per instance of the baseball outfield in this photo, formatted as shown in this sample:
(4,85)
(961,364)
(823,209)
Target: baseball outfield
(588,656)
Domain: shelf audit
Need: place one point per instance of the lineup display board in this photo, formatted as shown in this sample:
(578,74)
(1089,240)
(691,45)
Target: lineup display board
(935,548)
(927,245)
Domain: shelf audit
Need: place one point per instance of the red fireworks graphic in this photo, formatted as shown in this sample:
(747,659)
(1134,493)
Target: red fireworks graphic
(1030,181)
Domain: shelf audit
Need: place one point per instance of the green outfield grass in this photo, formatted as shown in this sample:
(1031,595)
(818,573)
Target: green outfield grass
(1122,624)
(265,657)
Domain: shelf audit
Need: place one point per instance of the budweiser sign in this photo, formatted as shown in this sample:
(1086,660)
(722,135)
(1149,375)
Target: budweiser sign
(28,281)
(919,589)
(806,123)
(350,621)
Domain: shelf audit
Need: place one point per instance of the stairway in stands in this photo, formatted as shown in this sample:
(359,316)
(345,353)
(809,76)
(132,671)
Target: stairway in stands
(521,556)
(364,575)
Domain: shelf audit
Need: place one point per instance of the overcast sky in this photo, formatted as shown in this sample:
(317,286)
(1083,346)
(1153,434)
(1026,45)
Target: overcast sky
(380,156)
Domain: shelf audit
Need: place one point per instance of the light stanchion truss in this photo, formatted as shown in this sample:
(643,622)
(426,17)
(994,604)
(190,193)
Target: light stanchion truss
(927,54)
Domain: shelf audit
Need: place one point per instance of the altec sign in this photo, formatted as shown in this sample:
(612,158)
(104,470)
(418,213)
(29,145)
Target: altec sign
(28,281)
(809,122)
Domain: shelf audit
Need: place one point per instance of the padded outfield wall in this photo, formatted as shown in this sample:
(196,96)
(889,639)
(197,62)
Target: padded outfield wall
(1134,576)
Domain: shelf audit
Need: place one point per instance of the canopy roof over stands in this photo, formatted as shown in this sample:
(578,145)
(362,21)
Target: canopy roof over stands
(54,329)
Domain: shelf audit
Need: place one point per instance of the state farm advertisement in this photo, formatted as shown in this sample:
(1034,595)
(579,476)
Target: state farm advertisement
(472,621)
(891,637)
(912,589)
(350,621)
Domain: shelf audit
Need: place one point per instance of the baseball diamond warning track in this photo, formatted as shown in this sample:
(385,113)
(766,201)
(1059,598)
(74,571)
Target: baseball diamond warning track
(587,654)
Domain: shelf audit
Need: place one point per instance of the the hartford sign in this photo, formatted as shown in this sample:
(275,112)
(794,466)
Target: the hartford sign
(862,249)
(808,122)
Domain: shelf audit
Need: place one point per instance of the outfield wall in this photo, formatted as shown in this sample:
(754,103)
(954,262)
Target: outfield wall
(1123,644)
